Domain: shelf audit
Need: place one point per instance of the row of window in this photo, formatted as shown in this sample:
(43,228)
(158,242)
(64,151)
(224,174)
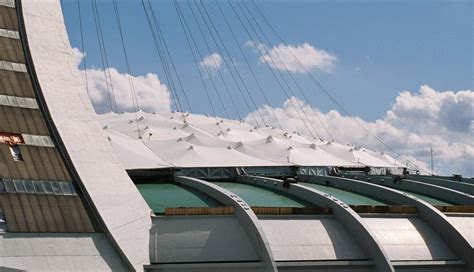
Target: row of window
(17,101)
(7,3)
(38,140)
(37,187)
(9,34)
(13,66)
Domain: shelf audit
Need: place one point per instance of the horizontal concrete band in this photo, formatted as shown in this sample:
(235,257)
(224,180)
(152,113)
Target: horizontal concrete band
(65,188)
(7,3)
(9,34)
(17,101)
(13,66)
(217,267)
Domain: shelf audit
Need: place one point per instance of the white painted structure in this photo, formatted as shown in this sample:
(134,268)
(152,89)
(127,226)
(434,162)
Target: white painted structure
(120,206)
(191,140)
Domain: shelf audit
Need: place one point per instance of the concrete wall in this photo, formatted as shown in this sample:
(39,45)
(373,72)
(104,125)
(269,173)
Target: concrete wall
(199,239)
(310,238)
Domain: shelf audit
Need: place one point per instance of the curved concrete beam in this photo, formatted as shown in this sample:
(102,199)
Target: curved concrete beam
(438,221)
(455,185)
(243,212)
(450,178)
(110,193)
(446,194)
(345,215)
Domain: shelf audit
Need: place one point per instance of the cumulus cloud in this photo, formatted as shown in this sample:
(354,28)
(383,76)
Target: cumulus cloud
(151,94)
(294,58)
(416,122)
(212,61)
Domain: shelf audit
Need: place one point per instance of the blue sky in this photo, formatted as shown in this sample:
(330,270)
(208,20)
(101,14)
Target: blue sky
(403,67)
(382,47)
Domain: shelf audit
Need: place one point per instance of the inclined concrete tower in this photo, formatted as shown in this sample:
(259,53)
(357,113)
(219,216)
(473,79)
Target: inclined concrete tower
(65,198)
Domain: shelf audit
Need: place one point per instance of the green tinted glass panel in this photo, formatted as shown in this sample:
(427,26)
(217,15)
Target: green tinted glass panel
(256,196)
(432,201)
(166,195)
(345,196)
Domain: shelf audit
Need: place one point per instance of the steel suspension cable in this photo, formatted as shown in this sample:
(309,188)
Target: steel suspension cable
(185,29)
(106,59)
(162,60)
(201,56)
(161,39)
(84,60)
(260,49)
(136,107)
(248,63)
(319,84)
(214,60)
(102,57)
(290,75)
(227,58)
(298,85)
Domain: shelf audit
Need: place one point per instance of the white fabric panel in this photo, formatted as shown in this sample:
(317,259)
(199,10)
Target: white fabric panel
(191,140)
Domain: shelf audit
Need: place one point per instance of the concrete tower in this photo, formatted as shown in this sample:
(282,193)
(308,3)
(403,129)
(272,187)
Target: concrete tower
(66,202)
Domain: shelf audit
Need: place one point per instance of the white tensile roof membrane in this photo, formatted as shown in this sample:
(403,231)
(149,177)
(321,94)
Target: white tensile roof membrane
(191,140)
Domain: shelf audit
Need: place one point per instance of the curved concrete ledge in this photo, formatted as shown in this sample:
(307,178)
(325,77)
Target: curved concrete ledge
(451,184)
(436,191)
(449,178)
(243,212)
(345,215)
(432,216)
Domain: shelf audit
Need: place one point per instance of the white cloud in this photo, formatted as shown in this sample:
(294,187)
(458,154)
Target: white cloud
(212,61)
(152,95)
(416,122)
(291,57)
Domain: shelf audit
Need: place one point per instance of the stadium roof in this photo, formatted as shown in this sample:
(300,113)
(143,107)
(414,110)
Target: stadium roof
(191,140)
